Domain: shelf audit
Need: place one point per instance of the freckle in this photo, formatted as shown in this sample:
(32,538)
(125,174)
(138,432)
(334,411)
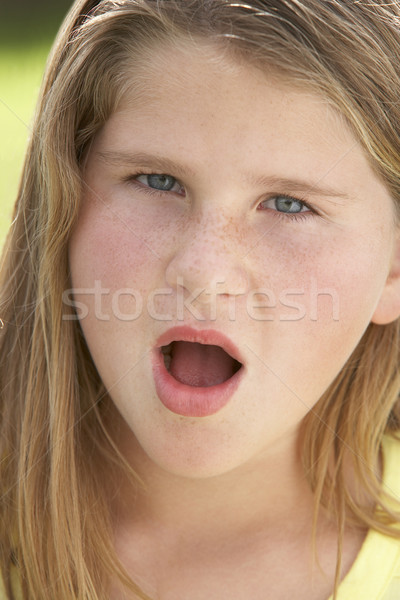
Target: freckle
(197,218)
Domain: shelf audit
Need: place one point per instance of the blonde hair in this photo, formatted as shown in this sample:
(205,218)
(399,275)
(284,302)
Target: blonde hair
(55,522)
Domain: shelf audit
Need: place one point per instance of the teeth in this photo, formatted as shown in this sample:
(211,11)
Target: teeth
(166,350)
(167,361)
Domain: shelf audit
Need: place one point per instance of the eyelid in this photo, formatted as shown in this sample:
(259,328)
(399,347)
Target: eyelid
(132,178)
(299,199)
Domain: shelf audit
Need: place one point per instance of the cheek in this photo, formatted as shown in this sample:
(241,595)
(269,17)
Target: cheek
(320,276)
(115,248)
(111,259)
(324,292)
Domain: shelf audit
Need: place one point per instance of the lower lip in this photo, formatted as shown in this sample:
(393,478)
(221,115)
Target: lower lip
(187,400)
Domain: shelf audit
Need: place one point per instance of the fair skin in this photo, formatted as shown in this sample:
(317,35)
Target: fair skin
(226,493)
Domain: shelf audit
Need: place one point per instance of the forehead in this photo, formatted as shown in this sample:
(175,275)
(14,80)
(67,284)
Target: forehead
(198,102)
(214,72)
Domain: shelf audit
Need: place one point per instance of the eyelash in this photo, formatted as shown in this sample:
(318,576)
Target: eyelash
(300,216)
(297,217)
(133,180)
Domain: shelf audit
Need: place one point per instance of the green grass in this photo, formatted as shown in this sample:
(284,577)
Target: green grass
(27,30)
(20,77)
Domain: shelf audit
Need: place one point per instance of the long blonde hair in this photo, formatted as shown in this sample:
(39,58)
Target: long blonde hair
(55,523)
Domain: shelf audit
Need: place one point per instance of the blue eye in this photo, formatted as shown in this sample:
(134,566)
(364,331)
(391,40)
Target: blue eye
(285,204)
(162,183)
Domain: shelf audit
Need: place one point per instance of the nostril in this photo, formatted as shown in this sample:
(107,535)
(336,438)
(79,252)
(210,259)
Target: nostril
(205,285)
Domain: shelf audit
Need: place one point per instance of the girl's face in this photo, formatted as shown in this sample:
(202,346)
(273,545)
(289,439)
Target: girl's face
(225,213)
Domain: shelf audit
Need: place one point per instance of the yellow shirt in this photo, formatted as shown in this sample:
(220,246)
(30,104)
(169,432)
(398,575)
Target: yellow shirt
(375,574)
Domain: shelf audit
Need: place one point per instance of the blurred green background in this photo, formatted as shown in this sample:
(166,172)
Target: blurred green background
(27,31)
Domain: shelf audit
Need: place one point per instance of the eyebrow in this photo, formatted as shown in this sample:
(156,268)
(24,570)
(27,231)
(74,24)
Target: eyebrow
(299,186)
(144,160)
(166,166)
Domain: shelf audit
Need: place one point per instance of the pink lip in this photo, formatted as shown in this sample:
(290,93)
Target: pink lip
(184,399)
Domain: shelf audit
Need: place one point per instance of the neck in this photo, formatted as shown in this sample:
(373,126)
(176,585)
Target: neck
(270,490)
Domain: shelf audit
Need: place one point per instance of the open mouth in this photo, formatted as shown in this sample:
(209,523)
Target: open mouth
(196,373)
(199,365)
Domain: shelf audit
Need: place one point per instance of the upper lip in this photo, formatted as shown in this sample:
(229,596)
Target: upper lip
(212,337)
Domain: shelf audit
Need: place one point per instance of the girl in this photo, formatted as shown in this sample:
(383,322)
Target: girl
(201,295)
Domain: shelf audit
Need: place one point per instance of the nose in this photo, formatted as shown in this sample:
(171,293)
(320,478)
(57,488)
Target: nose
(208,262)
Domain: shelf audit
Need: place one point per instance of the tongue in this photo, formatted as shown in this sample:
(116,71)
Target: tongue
(200,365)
